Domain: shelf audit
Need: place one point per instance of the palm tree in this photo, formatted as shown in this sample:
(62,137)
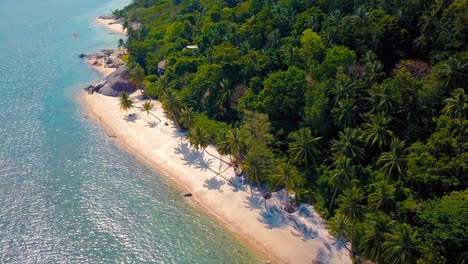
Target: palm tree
(233,143)
(402,246)
(345,113)
(288,175)
(383,100)
(341,176)
(187,117)
(454,72)
(383,198)
(257,164)
(376,228)
(171,104)
(121,43)
(199,138)
(340,228)
(147,107)
(376,131)
(348,145)
(456,106)
(303,148)
(126,102)
(393,163)
(349,204)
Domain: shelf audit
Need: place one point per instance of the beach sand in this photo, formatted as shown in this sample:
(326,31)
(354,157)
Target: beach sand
(111,25)
(162,146)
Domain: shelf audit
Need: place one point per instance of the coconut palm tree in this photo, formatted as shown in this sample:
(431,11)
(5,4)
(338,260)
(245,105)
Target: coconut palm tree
(303,148)
(171,104)
(121,43)
(187,117)
(340,228)
(376,228)
(341,176)
(402,246)
(148,107)
(199,138)
(288,175)
(348,145)
(258,165)
(350,204)
(383,198)
(233,143)
(126,102)
(454,72)
(345,113)
(456,106)
(377,131)
(393,162)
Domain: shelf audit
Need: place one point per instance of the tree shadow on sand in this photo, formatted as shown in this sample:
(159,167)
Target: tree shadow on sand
(214,184)
(130,117)
(273,218)
(302,230)
(189,156)
(254,202)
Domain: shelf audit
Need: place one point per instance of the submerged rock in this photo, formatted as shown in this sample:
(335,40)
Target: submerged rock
(117,82)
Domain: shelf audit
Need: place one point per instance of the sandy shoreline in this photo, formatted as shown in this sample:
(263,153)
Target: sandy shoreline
(111,25)
(166,149)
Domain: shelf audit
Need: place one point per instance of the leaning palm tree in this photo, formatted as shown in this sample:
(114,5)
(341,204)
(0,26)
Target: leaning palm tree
(126,102)
(147,107)
(402,246)
(200,139)
(303,148)
(377,131)
(393,162)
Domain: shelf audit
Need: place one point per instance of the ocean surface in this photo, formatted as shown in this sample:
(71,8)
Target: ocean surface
(68,194)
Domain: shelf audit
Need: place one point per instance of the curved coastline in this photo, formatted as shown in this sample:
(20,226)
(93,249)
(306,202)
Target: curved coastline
(165,149)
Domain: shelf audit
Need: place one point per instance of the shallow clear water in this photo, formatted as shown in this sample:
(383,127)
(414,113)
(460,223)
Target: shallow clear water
(67,193)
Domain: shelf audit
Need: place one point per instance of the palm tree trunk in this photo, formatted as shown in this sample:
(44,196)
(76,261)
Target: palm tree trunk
(221,160)
(287,195)
(333,199)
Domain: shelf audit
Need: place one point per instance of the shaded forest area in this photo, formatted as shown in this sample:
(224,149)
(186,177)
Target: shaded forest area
(357,107)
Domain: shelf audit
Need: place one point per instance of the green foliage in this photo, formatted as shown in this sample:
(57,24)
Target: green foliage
(444,223)
(366,98)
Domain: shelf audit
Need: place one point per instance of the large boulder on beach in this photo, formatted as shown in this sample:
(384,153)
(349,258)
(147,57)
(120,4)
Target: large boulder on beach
(117,82)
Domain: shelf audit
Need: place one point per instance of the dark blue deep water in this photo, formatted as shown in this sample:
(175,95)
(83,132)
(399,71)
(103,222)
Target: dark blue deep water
(68,194)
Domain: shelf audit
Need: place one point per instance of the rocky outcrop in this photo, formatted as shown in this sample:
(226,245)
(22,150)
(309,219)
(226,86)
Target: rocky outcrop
(116,83)
(107,16)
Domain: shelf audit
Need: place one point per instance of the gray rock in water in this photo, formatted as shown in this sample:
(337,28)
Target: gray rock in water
(117,82)
(109,61)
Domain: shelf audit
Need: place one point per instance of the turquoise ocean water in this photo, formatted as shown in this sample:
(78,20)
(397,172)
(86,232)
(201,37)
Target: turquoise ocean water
(68,194)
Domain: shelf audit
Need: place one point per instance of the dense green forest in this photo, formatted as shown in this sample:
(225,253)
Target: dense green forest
(357,107)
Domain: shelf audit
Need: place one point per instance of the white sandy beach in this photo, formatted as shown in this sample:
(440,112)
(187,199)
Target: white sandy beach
(111,25)
(272,235)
